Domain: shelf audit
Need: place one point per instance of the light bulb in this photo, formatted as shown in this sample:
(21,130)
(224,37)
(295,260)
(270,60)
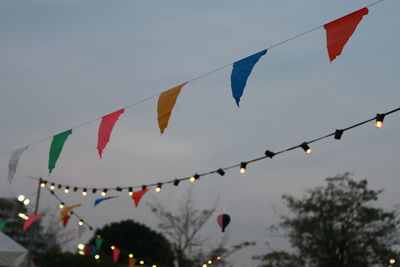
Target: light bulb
(131,255)
(97,256)
(80,223)
(112,247)
(52,187)
(209,262)
(84,192)
(42,184)
(61,206)
(192,179)
(141,262)
(243,166)
(21,198)
(81,246)
(66,190)
(379,120)
(26,202)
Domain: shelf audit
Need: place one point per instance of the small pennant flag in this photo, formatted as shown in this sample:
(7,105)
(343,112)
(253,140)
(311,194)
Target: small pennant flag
(223,221)
(99,242)
(166,103)
(132,262)
(105,129)
(137,196)
(240,73)
(65,220)
(12,164)
(88,251)
(30,220)
(93,251)
(339,31)
(56,147)
(66,210)
(99,200)
(116,252)
(2,225)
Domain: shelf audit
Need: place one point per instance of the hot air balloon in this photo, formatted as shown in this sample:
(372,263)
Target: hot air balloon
(223,221)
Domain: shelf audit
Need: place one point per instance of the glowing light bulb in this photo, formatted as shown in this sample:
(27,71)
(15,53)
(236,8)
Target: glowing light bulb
(243,166)
(97,257)
(52,187)
(204,265)
(103,193)
(392,261)
(158,188)
(23,216)
(84,192)
(306,148)
(81,246)
(379,124)
(131,255)
(61,206)
(192,179)
(42,184)
(66,190)
(379,120)
(141,262)
(209,262)
(26,202)
(21,198)
(81,252)
(112,247)
(80,223)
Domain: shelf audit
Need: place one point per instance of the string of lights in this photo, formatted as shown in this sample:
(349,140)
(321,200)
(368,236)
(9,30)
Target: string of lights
(268,154)
(189,81)
(107,243)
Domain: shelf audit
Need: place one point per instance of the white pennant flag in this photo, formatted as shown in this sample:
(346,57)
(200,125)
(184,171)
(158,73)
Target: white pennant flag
(12,164)
(81,231)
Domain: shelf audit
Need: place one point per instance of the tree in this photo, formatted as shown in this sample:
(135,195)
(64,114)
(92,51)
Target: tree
(183,228)
(136,238)
(337,225)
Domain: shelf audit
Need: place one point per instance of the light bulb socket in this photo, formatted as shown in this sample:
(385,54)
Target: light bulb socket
(243,165)
(221,172)
(380,117)
(305,146)
(94,190)
(176,182)
(269,154)
(144,187)
(119,189)
(338,134)
(75,189)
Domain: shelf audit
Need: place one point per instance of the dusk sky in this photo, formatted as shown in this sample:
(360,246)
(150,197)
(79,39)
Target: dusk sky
(63,63)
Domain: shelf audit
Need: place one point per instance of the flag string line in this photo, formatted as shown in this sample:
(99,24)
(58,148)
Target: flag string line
(189,81)
(221,171)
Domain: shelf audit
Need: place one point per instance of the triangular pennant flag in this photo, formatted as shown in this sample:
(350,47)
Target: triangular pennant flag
(65,211)
(166,103)
(30,220)
(105,129)
(65,220)
(137,196)
(81,230)
(99,200)
(132,262)
(116,252)
(2,225)
(99,242)
(12,164)
(93,251)
(88,250)
(339,31)
(240,73)
(56,146)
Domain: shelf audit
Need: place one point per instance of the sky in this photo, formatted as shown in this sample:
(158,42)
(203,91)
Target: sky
(63,63)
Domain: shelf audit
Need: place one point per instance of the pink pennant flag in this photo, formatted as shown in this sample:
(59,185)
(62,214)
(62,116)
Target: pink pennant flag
(339,31)
(116,252)
(105,129)
(30,220)
(65,220)
(137,196)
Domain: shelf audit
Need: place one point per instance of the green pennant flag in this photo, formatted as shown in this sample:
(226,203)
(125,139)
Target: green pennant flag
(56,147)
(2,225)
(99,242)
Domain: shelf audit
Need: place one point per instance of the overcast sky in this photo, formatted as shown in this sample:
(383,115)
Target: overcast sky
(66,62)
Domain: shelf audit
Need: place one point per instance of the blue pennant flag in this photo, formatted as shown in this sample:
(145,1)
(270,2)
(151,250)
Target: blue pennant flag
(240,73)
(97,201)
(93,251)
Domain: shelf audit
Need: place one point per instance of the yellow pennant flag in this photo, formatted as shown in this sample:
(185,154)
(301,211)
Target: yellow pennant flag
(166,103)
(65,211)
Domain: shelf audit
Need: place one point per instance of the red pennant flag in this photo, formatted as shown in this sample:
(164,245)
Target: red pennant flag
(30,220)
(65,220)
(88,251)
(339,31)
(105,129)
(137,196)
(116,252)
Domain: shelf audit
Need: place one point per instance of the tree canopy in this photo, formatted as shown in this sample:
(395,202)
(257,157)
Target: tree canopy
(337,225)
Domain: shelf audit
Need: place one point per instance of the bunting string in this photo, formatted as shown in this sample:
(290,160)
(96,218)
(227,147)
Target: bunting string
(337,134)
(237,82)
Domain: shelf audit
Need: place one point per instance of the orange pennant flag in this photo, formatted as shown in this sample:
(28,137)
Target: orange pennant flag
(166,103)
(132,262)
(65,211)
